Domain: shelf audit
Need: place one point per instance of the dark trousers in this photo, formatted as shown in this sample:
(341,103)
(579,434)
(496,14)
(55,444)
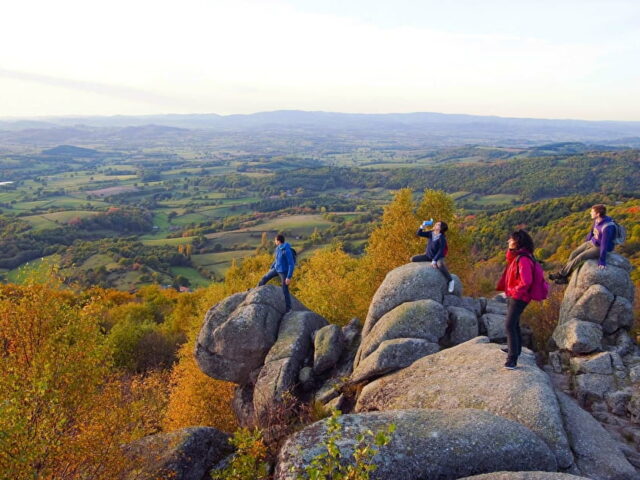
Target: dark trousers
(285,288)
(586,251)
(439,263)
(512,327)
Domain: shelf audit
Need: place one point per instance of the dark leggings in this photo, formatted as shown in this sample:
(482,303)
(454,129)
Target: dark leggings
(440,264)
(285,288)
(512,327)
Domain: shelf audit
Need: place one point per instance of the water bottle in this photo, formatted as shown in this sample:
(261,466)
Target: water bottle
(427,223)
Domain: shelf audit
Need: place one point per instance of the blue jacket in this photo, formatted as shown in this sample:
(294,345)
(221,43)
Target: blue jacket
(283,262)
(603,237)
(435,248)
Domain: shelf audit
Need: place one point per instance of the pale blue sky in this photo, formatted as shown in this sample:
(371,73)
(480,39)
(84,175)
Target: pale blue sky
(560,59)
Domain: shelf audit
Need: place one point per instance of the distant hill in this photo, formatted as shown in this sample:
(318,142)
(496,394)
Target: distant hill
(423,128)
(71,151)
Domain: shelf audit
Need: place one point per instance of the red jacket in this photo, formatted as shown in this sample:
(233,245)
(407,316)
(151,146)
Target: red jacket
(517,277)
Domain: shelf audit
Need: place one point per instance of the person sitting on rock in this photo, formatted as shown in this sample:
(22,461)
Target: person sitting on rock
(282,266)
(599,241)
(436,249)
(516,282)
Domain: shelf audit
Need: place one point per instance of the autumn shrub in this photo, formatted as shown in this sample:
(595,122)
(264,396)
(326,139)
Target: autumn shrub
(64,410)
(195,398)
(542,317)
(249,461)
(327,283)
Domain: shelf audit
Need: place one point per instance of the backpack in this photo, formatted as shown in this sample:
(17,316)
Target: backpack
(539,288)
(621,232)
(294,254)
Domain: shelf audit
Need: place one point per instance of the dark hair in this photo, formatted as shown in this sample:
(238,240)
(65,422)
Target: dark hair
(280,238)
(523,239)
(600,209)
(443,226)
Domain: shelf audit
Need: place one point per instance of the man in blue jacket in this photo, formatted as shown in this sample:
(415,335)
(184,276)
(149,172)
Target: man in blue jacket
(282,266)
(599,241)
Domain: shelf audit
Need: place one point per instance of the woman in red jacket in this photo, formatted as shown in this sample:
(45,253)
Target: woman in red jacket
(516,282)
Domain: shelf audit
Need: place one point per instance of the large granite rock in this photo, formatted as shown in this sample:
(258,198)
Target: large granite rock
(285,359)
(463,325)
(408,283)
(328,344)
(524,476)
(186,454)
(596,454)
(471,375)
(424,319)
(393,355)
(238,333)
(588,280)
(494,325)
(427,444)
(578,336)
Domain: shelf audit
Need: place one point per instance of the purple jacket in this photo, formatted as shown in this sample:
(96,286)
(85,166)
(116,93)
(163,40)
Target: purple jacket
(602,237)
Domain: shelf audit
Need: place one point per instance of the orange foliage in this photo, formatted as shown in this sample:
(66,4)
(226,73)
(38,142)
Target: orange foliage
(63,413)
(197,399)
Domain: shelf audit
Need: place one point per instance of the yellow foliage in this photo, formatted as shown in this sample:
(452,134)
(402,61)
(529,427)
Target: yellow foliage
(197,399)
(328,284)
(62,413)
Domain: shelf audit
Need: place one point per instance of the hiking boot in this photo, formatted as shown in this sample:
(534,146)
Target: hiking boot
(451,286)
(510,365)
(554,276)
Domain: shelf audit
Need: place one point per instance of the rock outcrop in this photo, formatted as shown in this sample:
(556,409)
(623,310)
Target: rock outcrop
(471,375)
(601,297)
(425,360)
(248,339)
(186,454)
(424,443)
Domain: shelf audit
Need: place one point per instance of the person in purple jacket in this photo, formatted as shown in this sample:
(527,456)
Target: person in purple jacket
(282,266)
(600,240)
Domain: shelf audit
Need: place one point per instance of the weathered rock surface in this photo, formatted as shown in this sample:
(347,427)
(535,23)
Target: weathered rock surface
(238,333)
(524,476)
(427,444)
(408,283)
(596,454)
(593,305)
(494,326)
(615,279)
(186,454)
(328,345)
(393,355)
(463,324)
(424,319)
(285,359)
(578,336)
(471,375)
(600,363)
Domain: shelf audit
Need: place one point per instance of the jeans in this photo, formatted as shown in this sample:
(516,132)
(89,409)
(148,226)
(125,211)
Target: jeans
(512,327)
(439,263)
(586,251)
(285,288)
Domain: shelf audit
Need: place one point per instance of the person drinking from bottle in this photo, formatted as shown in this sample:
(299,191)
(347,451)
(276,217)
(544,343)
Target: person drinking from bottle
(436,249)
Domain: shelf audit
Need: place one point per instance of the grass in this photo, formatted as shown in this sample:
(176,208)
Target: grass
(196,280)
(168,241)
(52,220)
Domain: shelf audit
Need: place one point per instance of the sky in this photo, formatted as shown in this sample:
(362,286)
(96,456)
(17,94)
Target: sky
(543,59)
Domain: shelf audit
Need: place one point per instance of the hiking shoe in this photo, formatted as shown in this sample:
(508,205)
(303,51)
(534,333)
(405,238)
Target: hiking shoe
(510,365)
(561,281)
(451,286)
(505,350)
(554,276)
